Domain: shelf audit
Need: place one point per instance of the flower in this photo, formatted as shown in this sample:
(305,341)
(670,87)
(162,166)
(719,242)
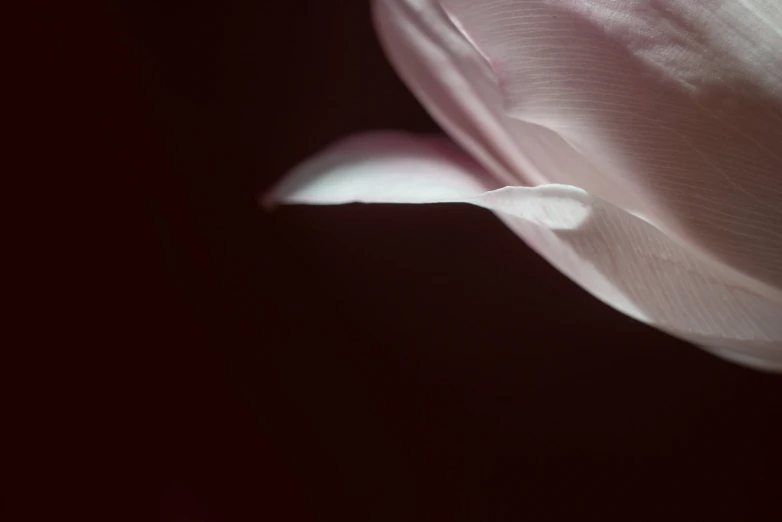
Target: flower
(634,144)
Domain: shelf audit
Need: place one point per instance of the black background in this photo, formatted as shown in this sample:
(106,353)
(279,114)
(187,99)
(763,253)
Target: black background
(353,363)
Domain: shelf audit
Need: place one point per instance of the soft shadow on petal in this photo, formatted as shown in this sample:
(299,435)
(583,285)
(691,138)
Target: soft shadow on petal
(461,90)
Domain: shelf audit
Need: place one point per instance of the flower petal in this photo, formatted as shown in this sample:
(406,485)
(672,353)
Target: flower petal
(620,258)
(384,167)
(460,89)
(674,109)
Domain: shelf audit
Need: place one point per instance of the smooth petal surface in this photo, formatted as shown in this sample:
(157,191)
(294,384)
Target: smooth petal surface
(670,110)
(384,167)
(618,257)
(676,102)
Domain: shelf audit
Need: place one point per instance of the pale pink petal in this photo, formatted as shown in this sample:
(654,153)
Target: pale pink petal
(620,258)
(384,167)
(676,106)
(460,89)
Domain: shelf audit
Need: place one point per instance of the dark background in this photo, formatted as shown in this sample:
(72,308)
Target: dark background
(342,363)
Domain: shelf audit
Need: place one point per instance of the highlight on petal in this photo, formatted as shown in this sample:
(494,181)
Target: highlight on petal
(618,257)
(384,167)
(556,207)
